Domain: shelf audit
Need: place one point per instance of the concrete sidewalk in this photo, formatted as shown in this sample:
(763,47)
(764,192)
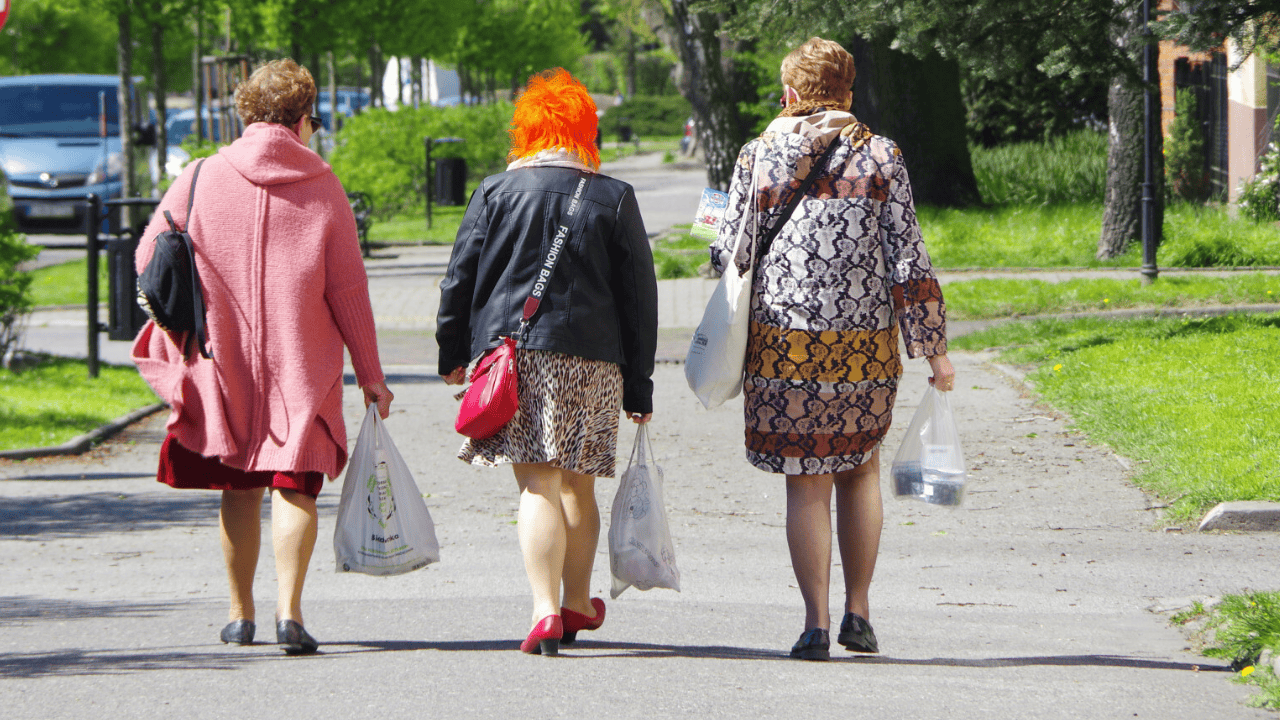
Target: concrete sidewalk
(1034,600)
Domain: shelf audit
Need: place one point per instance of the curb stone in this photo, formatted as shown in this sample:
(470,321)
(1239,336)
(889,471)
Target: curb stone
(80,444)
(1243,516)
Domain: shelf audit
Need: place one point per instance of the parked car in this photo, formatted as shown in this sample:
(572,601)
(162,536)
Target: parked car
(179,125)
(53,149)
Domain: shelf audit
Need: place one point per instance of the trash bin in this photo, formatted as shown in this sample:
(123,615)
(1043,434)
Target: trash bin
(451,181)
(624,133)
(124,317)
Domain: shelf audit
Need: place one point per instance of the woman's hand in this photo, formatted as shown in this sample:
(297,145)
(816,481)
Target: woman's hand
(378,393)
(457,377)
(640,418)
(944,376)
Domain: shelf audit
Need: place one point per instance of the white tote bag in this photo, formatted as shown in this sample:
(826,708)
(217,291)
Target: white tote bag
(640,550)
(718,352)
(383,527)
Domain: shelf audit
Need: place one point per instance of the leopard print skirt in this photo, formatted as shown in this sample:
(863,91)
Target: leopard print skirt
(568,416)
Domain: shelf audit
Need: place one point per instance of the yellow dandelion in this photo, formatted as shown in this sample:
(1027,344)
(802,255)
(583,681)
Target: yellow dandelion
(1057,368)
(1247,671)
(1106,300)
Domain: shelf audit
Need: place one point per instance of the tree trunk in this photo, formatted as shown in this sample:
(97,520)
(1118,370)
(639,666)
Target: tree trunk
(335,118)
(415,75)
(197,72)
(162,135)
(124,94)
(375,77)
(917,104)
(1122,218)
(715,87)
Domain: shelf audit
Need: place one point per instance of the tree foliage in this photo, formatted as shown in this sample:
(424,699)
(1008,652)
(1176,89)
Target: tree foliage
(1252,25)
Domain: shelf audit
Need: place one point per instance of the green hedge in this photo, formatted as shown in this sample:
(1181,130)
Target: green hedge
(648,116)
(1065,170)
(381,153)
(15,285)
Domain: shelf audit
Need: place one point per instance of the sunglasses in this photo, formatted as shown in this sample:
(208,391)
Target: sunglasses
(316,123)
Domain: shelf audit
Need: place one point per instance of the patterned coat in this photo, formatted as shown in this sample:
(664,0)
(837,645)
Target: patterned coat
(847,270)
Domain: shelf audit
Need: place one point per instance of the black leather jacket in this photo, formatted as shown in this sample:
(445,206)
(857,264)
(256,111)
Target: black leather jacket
(601,302)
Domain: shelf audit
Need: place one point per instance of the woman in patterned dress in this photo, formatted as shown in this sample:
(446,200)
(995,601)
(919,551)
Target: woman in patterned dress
(588,352)
(846,271)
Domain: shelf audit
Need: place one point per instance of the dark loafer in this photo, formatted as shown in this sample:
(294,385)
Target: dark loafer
(294,639)
(814,644)
(239,632)
(856,634)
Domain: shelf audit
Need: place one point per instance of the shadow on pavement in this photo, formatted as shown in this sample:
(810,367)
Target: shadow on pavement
(91,662)
(104,512)
(85,476)
(27,607)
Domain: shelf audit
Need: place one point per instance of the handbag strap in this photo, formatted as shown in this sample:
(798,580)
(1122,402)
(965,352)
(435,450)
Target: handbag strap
(767,242)
(558,243)
(197,292)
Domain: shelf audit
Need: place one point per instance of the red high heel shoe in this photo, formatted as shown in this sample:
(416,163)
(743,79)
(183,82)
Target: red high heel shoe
(575,621)
(544,638)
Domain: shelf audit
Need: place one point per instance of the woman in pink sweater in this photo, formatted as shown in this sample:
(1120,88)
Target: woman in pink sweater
(285,287)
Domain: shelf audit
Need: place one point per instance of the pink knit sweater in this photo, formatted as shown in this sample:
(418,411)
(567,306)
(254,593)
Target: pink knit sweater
(285,287)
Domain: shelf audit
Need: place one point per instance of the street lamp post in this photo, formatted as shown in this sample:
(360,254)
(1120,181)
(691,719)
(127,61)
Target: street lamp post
(430,142)
(1151,232)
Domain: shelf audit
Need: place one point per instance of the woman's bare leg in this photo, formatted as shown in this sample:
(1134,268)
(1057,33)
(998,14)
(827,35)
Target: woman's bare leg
(859,519)
(809,538)
(240,521)
(542,534)
(293,535)
(582,532)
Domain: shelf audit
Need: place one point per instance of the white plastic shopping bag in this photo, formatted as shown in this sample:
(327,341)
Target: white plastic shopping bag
(383,524)
(718,352)
(929,465)
(640,549)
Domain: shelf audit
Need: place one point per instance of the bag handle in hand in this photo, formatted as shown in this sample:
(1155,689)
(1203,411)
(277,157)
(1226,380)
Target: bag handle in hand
(767,242)
(558,244)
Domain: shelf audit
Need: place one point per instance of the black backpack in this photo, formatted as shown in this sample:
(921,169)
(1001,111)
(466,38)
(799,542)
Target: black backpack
(169,287)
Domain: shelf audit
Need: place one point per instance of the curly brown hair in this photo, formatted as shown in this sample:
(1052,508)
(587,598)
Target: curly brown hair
(821,71)
(280,92)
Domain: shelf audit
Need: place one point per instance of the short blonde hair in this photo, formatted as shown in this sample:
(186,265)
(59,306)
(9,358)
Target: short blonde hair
(280,92)
(820,70)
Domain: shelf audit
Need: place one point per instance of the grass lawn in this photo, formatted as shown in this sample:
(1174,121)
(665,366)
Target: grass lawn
(1243,627)
(66,284)
(995,298)
(57,400)
(1193,401)
(1067,236)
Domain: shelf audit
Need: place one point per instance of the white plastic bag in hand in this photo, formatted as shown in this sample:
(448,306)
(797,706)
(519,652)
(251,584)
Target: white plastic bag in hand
(640,549)
(929,465)
(383,524)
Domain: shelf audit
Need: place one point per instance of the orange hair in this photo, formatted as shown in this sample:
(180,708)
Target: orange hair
(555,110)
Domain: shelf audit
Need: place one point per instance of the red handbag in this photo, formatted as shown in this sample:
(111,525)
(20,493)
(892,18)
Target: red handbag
(492,399)
(493,396)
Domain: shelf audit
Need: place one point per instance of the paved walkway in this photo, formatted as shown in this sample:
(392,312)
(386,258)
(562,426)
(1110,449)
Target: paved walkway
(1045,596)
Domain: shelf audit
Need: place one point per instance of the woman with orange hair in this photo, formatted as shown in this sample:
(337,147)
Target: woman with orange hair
(551,221)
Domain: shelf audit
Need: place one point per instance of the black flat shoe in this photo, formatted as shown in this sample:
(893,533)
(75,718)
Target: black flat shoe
(294,639)
(239,632)
(814,644)
(856,634)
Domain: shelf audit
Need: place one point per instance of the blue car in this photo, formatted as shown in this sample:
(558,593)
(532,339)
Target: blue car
(52,148)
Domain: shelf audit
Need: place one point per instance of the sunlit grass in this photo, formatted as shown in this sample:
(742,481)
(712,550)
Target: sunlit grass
(1193,401)
(1005,297)
(55,401)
